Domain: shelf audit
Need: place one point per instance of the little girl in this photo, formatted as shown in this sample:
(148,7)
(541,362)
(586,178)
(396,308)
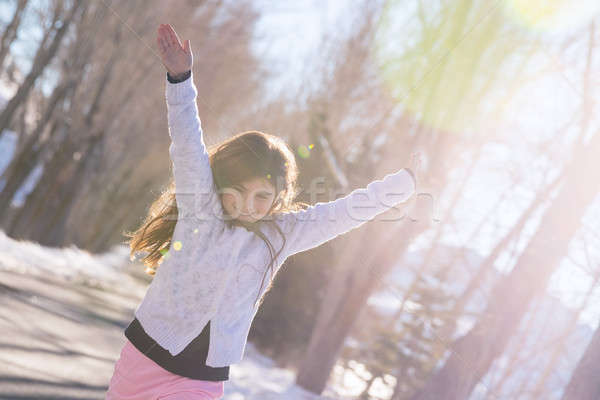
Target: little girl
(227,218)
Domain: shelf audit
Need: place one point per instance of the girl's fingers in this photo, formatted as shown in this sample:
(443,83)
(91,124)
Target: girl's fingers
(164,43)
(173,35)
(168,35)
(161,43)
(165,35)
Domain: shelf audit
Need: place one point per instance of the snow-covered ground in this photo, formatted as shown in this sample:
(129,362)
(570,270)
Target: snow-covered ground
(70,263)
(256,377)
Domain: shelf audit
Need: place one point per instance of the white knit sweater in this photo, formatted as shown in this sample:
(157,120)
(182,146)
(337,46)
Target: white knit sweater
(213,272)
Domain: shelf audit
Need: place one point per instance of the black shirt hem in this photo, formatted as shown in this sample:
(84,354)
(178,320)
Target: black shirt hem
(190,363)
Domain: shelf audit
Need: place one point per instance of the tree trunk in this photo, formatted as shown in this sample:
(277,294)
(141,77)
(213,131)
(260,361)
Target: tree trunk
(55,233)
(10,33)
(27,155)
(365,393)
(346,296)
(559,348)
(32,220)
(585,381)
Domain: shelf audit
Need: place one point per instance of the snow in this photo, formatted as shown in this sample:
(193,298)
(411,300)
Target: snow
(255,377)
(70,263)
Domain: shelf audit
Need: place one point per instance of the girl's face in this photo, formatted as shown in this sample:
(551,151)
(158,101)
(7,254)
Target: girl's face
(250,200)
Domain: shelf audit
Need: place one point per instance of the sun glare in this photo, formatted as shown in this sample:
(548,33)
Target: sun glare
(553,15)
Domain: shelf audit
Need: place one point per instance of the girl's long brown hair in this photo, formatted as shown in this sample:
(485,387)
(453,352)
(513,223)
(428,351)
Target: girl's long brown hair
(246,155)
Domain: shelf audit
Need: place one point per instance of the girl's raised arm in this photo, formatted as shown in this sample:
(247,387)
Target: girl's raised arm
(191,167)
(324,221)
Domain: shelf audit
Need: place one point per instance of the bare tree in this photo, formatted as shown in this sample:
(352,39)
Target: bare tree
(473,353)
(45,53)
(85,144)
(10,32)
(31,150)
(585,381)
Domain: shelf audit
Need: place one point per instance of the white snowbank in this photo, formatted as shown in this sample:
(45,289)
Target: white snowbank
(70,263)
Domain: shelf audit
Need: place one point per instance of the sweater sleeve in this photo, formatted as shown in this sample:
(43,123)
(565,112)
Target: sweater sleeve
(195,191)
(323,221)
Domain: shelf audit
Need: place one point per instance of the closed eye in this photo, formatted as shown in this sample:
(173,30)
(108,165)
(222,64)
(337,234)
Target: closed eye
(262,194)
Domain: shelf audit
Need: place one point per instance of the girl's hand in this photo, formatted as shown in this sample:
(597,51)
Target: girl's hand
(176,58)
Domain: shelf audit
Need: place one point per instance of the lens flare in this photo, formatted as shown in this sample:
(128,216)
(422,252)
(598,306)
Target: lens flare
(436,62)
(553,16)
(303,151)
(454,66)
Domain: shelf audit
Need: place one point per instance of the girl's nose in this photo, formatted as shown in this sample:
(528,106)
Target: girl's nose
(246,208)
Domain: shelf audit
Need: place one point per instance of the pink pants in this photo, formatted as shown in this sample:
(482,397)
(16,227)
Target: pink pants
(137,377)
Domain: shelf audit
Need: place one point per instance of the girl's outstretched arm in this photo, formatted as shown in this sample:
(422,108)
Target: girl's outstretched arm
(191,166)
(324,221)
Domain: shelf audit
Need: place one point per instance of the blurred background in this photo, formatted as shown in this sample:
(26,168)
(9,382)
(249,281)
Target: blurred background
(487,288)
